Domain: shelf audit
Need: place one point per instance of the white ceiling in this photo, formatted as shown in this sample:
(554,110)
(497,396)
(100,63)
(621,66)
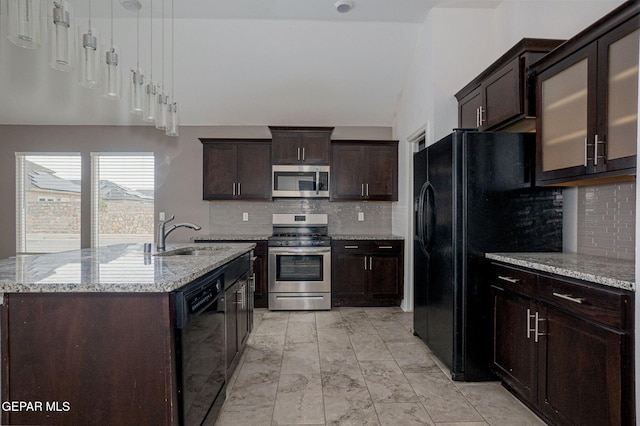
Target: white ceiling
(240,62)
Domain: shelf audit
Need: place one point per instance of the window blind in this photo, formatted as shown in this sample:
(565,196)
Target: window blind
(122,198)
(48,191)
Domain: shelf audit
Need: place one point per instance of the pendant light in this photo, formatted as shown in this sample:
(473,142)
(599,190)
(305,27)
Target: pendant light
(111,68)
(162,98)
(61,51)
(172,110)
(24,23)
(136,79)
(89,59)
(150,93)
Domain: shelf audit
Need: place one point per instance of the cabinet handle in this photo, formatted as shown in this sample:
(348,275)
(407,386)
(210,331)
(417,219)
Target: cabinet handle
(298,153)
(252,288)
(367,190)
(302,153)
(239,189)
(351,247)
(537,331)
(529,329)
(234,189)
(568,297)
(595,150)
(371,263)
(586,149)
(362,190)
(509,279)
(365,263)
(385,247)
(478,117)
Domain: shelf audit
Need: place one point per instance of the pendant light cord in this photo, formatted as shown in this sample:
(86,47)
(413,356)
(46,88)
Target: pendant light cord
(138,41)
(162,41)
(173,90)
(111,24)
(89,16)
(151,67)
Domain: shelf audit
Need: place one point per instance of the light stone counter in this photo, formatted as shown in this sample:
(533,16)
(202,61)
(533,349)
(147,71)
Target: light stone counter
(231,237)
(366,237)
(118,268)
(602,270)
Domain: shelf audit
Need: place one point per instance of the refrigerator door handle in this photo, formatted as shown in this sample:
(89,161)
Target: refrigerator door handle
(431,218)
(420,218)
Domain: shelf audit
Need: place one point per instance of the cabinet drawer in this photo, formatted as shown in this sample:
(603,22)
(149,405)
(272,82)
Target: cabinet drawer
(515,280)
(609,307)
(368,246)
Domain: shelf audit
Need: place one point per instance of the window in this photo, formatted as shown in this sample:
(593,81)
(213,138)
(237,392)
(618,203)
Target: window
(48,190)
(122,198)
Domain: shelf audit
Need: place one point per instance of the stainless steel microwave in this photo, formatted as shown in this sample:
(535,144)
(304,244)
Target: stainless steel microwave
(300,181)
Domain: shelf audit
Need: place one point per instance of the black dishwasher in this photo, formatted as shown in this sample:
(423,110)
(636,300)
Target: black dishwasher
(200,348)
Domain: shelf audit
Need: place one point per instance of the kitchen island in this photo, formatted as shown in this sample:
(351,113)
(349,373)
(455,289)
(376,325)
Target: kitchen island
(89,336)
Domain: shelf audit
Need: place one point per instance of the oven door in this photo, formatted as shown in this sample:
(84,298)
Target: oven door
(300,181)
(299,269)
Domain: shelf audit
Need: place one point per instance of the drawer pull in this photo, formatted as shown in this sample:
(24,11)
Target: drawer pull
(569,298)
(351,247)
(509,279)
(385,247)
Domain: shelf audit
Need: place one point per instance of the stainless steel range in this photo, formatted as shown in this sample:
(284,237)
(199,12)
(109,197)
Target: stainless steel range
(300,262)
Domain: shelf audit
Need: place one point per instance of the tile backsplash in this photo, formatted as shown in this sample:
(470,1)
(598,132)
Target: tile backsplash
(606,220)
(225,217)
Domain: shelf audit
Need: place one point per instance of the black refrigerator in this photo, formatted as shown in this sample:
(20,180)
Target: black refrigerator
(473,194)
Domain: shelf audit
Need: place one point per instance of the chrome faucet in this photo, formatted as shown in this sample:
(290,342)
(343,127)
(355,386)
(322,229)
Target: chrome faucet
(163,233)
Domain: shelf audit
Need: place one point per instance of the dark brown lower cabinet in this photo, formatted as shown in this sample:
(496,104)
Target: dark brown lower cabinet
(367,273)
(564,347)
(90,358)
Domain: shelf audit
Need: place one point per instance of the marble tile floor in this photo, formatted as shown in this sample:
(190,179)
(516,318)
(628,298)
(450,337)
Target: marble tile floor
(354,366)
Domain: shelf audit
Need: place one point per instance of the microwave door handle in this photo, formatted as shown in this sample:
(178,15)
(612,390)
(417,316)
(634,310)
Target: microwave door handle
(317,180)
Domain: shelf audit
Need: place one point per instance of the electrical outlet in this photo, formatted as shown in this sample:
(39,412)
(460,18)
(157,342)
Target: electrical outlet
(162,217)
(245,217)
(360,216)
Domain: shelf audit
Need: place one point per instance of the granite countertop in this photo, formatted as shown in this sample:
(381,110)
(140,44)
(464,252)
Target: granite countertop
(231,237)
(366,237)
(601,270)
(118,268)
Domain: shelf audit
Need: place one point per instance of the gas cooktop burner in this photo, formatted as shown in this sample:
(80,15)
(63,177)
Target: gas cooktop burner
(300,230)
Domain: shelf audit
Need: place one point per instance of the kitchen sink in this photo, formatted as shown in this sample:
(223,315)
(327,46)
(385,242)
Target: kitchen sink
(192,251)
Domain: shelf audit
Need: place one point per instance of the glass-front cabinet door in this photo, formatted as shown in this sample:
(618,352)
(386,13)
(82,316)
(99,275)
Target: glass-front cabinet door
(619,87)
(588,110)
(567,98)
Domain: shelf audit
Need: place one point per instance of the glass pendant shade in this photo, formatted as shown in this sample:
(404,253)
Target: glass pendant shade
(89,57)
(150,102)
(61,41)
(172,119)
(24,23)
(111,73)
(136,89)
(161,111)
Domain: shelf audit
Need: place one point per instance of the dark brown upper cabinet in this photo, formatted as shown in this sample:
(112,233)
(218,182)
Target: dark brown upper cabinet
(236,169)
(502,96)
(587,105)
(364,170)
(300,145)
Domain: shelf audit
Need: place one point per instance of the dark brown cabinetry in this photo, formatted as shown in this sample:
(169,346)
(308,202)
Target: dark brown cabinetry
(236,169)
(502,94)
(237,321)
(588,103)
(110,357)
(364,170)
(300,145)
(366,273)
(563,346)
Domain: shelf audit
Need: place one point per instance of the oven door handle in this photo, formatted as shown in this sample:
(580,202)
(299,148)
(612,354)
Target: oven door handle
(299,250)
